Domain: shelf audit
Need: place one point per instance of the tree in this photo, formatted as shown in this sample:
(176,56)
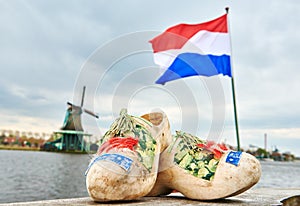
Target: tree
(262,153)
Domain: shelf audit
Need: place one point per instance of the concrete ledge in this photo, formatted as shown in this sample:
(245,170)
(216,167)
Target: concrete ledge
(261,196)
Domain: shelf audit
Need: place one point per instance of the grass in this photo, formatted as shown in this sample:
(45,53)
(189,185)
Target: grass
(16,147)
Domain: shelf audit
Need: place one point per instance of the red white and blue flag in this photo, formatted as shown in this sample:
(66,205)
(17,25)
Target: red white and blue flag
(193,49)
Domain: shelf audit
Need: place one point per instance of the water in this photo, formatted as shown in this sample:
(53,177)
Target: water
(279,175)
(29,176)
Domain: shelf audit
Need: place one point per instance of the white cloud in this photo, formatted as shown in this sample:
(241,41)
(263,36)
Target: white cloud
(15,121)
(45,45)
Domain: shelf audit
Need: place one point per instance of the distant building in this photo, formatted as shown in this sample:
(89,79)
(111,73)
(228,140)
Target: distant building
(9,140)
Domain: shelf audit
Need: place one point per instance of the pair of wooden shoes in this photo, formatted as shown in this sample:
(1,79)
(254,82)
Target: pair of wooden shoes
(139,157)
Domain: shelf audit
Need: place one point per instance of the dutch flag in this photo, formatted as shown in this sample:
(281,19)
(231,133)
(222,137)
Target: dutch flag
(193,49)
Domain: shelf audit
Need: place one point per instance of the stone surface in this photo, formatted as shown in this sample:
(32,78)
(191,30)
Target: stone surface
(260,196)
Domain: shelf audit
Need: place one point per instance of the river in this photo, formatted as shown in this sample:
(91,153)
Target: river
(29,176)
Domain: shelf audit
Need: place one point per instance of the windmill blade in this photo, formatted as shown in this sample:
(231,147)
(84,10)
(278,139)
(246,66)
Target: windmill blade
(91,113)
(82,98)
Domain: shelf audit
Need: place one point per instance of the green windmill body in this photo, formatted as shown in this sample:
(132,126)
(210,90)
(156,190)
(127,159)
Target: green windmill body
(71,136)
(73,118)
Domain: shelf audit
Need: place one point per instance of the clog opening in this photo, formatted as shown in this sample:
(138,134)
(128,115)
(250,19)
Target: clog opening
(155,118)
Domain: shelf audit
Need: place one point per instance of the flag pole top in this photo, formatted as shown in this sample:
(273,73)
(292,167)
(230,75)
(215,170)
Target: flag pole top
(227,10)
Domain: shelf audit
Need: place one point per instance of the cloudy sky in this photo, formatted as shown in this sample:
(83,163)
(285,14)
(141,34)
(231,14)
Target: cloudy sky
(50,49)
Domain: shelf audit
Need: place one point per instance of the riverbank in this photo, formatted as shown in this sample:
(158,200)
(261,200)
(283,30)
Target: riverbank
(262,196)
(16,147)
(2,147)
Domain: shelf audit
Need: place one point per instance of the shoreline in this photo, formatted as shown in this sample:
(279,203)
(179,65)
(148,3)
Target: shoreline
(39,150)
(18,148)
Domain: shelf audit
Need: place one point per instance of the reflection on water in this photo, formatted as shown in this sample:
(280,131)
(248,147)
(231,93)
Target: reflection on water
(29,176)
(280,174)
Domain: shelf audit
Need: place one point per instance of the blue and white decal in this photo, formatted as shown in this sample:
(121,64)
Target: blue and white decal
(234,157)
(122,161)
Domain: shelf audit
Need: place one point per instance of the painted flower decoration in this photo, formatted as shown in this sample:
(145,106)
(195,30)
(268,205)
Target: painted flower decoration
(118,142)
(216,149)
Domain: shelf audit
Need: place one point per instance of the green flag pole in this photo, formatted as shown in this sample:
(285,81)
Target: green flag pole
(235,116)
(234,105)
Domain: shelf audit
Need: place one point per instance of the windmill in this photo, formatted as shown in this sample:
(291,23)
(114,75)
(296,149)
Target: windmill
(71,135)
(73,115)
